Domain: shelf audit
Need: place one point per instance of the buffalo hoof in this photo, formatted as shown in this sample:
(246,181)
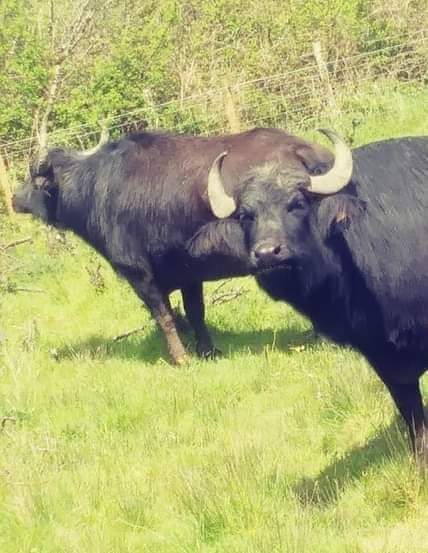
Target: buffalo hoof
(208,352)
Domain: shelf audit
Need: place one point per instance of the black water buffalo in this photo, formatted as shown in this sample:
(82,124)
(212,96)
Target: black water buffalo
(139,200)
(356,264)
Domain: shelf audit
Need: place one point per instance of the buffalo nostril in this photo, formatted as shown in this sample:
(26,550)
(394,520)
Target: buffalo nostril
(267,252)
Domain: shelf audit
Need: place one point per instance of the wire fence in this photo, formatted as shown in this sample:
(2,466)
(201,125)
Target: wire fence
(293,99)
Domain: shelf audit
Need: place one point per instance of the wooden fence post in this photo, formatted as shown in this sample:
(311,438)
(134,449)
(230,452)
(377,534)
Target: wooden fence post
(5,189)
(232,114)
(325,77)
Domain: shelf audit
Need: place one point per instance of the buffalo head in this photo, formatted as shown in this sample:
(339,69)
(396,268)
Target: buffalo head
(272,198)
(40,192)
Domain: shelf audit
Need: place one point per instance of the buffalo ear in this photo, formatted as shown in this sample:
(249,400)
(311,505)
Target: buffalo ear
(45,169)
(42,169)
(337,213)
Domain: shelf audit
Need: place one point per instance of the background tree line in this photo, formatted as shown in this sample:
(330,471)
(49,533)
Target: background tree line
(74,62)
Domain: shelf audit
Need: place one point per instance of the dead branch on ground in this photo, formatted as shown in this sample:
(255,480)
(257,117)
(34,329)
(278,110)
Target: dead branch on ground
(16,243)
(127,334)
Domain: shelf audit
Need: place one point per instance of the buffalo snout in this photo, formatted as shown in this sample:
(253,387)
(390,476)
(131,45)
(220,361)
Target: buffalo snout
(268,254)
(19,203)
(28,200)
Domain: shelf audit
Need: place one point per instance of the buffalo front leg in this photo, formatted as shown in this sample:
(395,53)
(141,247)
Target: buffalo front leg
(159,306)
(408,398)
(193,300)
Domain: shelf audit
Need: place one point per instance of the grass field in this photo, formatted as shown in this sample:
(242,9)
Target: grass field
(286,444)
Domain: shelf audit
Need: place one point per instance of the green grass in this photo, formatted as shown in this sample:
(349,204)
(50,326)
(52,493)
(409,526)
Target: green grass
(286,444)
(376,111)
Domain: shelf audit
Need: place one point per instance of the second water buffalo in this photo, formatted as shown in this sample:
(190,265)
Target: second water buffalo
(139,200)
(356,264)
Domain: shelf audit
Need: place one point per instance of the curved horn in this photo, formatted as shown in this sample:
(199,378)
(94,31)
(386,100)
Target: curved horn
(221,203)
(104,136)
(341,172)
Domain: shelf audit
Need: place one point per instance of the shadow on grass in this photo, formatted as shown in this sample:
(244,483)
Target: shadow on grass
(326,487)
(148,345)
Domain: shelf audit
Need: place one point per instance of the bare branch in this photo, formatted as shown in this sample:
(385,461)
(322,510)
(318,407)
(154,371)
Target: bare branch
(16,243)
(51,29)
(77,30)
(51,95)
(71,37)
(225,297)
(127,334)
(30,290)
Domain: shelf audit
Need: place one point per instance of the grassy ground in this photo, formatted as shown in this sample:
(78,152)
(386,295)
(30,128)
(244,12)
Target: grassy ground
(286,444)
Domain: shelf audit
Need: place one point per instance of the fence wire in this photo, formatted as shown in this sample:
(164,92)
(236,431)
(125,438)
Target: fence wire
(293,99)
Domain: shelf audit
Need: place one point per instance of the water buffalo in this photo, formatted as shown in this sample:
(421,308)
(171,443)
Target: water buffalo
(356,263)
(140,199)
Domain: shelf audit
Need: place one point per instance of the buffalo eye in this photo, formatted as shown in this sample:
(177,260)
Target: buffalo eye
(318,170)
(245,216)
(296,202)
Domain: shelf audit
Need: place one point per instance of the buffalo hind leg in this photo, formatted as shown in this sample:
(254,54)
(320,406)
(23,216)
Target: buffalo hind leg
(408,399)
(159,306)
(193,300)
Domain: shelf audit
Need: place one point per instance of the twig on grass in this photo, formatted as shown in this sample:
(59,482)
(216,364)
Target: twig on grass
(16,243)
(219,299)
(127,334)
(219,287)
(31,290)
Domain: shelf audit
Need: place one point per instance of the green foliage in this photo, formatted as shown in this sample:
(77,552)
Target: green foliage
(22,69)
(139,55)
